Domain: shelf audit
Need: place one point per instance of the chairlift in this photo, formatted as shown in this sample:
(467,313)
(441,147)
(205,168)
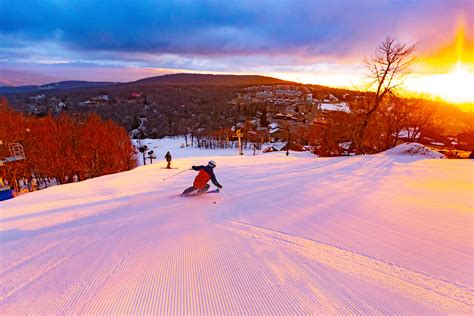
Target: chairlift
(16,153)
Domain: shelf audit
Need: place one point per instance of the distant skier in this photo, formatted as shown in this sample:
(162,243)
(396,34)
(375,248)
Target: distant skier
(168,160)
(205,174)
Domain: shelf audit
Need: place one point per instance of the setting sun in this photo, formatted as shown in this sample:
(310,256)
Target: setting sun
(447,73)
(454,86)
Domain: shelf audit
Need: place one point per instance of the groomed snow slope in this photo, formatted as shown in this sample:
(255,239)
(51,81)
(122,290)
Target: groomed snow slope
(373,234)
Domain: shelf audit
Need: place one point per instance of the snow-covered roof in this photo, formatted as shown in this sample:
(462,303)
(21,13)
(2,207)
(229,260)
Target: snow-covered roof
(405,133)
(342,107)
(345,145)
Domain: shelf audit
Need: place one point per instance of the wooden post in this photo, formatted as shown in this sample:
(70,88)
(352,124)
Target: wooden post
(239,137)
(288,144)
(150,156)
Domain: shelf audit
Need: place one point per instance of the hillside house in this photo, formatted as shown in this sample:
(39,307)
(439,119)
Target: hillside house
(309,99)
(273,128)
(288,92)
(264,94)
(340,107)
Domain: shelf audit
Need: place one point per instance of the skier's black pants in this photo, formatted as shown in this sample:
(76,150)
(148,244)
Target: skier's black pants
(193,188)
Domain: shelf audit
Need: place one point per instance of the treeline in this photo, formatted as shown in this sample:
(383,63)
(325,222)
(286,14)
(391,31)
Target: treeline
(224,138)
(63,148)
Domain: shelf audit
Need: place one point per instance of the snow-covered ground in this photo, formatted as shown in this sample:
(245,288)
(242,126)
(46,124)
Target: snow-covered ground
(177,148)
(414,149)
(388,233)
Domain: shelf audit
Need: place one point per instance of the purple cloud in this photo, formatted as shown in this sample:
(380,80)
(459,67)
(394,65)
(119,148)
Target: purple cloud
(217,35)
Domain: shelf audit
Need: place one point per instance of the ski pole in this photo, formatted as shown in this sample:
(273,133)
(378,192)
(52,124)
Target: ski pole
(175,174)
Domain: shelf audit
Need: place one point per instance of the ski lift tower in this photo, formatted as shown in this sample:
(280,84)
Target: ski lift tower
(17,153)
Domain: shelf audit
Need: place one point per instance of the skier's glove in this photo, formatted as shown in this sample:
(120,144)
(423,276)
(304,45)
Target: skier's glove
(220,187)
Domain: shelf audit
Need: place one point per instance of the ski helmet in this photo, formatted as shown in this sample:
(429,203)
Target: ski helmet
(212,163)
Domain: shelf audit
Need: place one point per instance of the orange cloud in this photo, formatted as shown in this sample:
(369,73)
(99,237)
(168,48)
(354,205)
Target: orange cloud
(459,50)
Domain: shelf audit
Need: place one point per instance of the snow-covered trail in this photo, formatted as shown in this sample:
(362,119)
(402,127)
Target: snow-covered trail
(301,238)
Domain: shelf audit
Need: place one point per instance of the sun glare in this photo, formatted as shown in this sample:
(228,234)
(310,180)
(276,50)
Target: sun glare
(448,72)
(456,86)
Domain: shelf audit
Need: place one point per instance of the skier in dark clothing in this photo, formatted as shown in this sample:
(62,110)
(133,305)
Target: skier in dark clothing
(205,174)
(168,160)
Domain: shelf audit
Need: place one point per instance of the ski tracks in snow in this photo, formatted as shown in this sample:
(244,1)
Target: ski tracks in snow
(193,262)
(388,289)
(144,253)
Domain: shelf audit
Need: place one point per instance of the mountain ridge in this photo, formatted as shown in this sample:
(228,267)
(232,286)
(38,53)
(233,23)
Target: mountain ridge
(169,79)
(211,79)
(60,85)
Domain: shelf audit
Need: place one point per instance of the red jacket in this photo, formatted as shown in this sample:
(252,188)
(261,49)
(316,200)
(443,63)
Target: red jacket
(201,179)
(205,174)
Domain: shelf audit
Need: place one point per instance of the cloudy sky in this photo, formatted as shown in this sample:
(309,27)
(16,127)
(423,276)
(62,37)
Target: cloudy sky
(318,41)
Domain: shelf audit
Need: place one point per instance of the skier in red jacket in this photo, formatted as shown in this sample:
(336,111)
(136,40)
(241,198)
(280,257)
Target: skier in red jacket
(205,174)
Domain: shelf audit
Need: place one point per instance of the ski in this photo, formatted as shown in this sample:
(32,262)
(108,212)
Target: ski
(197,194)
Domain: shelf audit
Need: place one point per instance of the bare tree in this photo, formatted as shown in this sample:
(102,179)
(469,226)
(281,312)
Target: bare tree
(421,117)
(387,70)
(395,119)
